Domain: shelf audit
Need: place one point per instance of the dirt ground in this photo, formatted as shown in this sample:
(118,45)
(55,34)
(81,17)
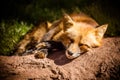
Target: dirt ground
(101,63)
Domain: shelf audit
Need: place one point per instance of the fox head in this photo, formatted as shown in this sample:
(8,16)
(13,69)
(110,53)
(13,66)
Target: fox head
(80,36)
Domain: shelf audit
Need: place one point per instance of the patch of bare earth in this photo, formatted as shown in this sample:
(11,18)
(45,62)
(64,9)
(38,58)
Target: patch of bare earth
(101,63)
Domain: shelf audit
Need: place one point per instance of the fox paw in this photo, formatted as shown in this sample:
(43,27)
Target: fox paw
(41,45)
(41,54)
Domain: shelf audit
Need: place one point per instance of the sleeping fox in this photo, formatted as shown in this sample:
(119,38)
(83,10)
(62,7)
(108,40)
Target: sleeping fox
(76,33)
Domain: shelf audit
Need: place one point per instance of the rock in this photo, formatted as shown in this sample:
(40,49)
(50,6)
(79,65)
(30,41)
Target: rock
(101,63)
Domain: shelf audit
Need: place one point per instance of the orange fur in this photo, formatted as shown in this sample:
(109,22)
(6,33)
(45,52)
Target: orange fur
(77,32)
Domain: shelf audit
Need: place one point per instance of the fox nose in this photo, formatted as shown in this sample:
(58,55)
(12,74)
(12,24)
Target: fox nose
(71,55)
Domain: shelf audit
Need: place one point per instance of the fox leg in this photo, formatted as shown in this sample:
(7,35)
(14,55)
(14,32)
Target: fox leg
(47,45)
(43,48)
(31,38)
(55,29)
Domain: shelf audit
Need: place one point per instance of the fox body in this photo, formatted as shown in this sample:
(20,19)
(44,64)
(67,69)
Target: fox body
(76,33)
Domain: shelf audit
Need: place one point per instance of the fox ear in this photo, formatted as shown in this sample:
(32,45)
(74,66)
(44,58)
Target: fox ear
(67,18)
(48,24)
(100,31)
(67,21)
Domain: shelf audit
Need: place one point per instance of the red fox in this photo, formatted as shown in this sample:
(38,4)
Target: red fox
(76,33)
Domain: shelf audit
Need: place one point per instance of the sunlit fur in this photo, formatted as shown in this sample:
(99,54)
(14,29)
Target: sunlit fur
(32,37)
(78,33)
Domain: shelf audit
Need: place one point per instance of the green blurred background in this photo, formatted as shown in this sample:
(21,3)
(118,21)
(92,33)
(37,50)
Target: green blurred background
(19,16)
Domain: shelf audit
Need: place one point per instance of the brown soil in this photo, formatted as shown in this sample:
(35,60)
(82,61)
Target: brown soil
(101,63)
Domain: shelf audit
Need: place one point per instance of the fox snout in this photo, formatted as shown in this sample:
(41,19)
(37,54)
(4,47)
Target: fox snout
(71,55)
(73,51)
